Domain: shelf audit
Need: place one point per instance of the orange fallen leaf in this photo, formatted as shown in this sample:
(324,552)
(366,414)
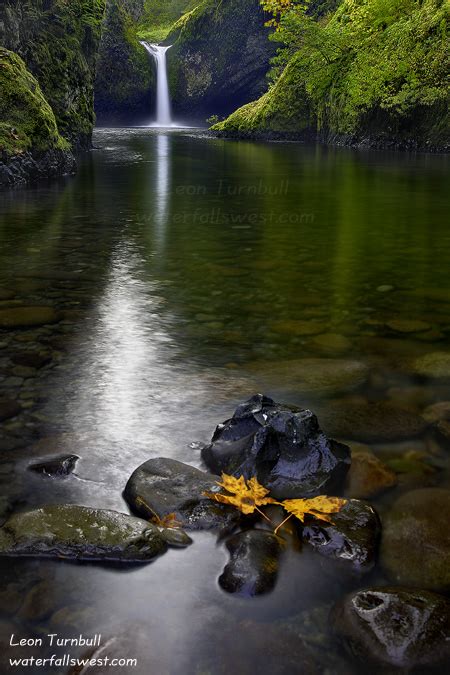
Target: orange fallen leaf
(320,507)
(170,520)
(246,495)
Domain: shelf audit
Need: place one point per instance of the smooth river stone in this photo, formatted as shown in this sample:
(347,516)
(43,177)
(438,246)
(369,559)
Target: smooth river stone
(434,365)
(27,317)
(368,476)
(408,325)
(164,486)
(8,409)
(397,627)
(300,328)
(415,543)
(314,376)
(80,533)
(371,422)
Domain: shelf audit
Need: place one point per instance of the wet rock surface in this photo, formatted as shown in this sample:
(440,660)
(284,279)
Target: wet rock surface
(56,466)
(282,446)
(415,546)
(81,533)
(253,567)
(434,365)
(395,627)
(351,539)
(165,486)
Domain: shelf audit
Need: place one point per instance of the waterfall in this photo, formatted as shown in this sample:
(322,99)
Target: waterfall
(163,115)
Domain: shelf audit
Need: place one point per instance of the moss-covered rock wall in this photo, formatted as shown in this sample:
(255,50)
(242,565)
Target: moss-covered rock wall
(126,78)
(374,74)
(30,143)
(219,58)
(58,41)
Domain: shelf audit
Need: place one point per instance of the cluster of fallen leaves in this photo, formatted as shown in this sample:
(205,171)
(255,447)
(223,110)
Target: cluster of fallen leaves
(249,495)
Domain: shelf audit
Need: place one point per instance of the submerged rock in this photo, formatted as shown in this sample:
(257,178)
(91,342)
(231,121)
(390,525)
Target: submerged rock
(165,486)
(253,567)
(415,545)
(435,365)
(81,533)
(311,376)
(282,446)
(395,627)
(368,476)
(57,466)
(352,538)
(371,422)
(8,409)
(31,359)
(27,317)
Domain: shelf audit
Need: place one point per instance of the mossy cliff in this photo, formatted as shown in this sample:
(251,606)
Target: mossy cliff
(58,41)
(219,58)
(27,125)
(126,79)
(371,73)
(50,47)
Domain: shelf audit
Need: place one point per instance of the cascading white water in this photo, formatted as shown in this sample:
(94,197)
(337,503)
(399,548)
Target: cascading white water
(163,113)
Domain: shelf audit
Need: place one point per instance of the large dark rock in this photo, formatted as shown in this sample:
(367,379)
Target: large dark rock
(415,544)
(352,538)
(56,466)
(164,486)
(395,627)
(282,446)
(81,533)
(253,567)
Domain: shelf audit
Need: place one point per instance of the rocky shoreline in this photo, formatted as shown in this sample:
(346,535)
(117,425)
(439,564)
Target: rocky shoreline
(20,170)
(264,439)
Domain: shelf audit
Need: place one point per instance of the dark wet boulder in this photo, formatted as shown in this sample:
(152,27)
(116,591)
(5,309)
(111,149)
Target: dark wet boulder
(56,466)
(8,409)
(164,486)
(80,533)
(253,566)
(282,446)
(351,539)
(415,544)
(395,627)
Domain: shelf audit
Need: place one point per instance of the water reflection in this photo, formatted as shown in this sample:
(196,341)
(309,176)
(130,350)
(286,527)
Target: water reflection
(168,322)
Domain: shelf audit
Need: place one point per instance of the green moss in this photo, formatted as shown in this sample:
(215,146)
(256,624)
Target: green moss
(376,68)
(220,57)
(159,16)
(58,41)
(27,121)
(125,73)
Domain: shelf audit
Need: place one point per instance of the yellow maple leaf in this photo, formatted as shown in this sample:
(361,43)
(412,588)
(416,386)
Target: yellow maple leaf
(320,507)
(247,496)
